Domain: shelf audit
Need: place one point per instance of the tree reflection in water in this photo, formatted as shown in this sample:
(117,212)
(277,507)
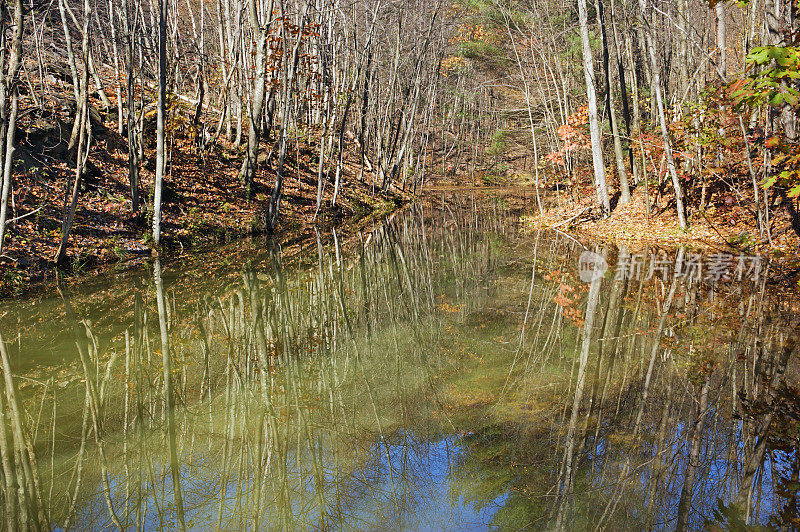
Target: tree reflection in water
(443,370)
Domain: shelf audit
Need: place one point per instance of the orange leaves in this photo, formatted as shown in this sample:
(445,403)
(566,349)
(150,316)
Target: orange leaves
(566,298)
(471,33)
(579,118)
(555,158)
(552,275)
(568,310)
(447,307)
(573,137)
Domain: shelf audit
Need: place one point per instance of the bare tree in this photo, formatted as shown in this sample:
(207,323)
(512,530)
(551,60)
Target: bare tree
(594,121)
(8,117)
(84,129)
(161,134)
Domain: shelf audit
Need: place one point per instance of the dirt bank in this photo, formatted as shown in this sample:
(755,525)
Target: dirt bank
(204,205)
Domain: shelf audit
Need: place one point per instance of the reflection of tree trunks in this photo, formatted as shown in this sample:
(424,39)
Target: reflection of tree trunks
(266,471)
(168,396)
(229,434)
(126,423)
(685,504)
(79,464)
(645,389)
(12,488)
(568,478)
(755,460)
(28,474)
(258,326)
(656,343)
(95,409)
(658,463)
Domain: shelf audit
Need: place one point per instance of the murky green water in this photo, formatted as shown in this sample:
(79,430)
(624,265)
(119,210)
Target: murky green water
(443,371)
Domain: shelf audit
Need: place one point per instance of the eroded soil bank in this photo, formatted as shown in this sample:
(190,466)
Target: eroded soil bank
(204,207)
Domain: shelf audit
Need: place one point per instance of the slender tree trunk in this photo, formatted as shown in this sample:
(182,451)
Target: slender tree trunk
(289,71)
(623,88)
(133,151)
(8,118)
(622,173)
(412,112)
(8,157)
(161,134)
(256,107)
(594,119)
(665,135)
(719,11)
(84,133)
(113,11)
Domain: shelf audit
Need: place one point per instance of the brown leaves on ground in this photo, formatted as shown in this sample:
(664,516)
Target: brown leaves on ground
(720,227)
(204,202)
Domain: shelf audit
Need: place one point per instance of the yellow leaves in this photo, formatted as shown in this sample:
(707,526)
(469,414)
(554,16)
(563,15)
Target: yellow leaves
(447,307)
(451,63)
(470,33)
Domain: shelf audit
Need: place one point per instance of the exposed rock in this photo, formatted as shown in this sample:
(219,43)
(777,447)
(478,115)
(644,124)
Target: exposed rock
(96,118)
(60,71)
(48,136)
(65,105)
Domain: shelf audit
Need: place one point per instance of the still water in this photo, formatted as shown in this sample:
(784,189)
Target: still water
(443,370)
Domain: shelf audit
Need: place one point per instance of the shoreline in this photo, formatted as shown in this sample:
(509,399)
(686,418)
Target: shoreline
(629,229)
(629,226)
(353,212)
(204,205)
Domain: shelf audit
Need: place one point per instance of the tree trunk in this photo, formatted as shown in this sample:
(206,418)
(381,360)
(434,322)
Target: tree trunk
(256,108)
(133,151)
(84,132)
(289,70)
(665,135)
(624,187)
(719,11)
(594,120)
(161,134)
(8,117)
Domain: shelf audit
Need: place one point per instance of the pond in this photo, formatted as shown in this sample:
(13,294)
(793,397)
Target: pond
(446,369)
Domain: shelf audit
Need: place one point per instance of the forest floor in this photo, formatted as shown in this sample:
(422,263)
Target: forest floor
(721,228)
(204,205)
